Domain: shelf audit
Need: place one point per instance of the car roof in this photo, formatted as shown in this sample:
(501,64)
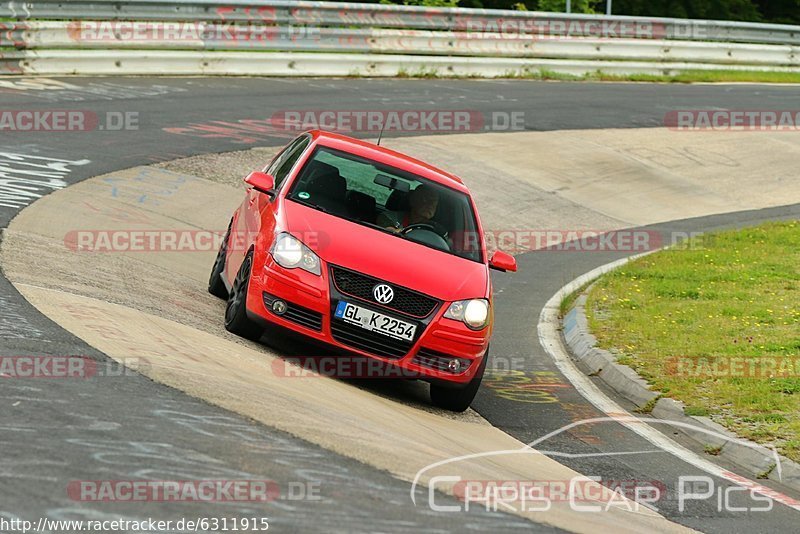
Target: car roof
(389,157)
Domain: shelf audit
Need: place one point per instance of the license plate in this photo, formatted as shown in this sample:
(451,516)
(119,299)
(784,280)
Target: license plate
(375,322)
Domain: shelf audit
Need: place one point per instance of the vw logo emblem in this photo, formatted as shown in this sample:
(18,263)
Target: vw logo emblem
(383,293)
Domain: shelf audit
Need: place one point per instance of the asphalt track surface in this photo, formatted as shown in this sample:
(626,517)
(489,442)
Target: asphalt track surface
(130,427)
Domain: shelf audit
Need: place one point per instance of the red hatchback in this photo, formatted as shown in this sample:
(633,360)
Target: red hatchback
(367,250)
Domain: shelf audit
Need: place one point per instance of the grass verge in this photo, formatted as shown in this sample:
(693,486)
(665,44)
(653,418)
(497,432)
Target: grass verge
(710,76)
(689,76)
(569,301)
(716,324)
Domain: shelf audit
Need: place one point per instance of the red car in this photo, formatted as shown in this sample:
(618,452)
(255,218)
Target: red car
(369,251)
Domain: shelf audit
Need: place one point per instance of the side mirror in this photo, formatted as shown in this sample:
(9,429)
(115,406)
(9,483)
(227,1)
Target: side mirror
(262,182)
(502,261)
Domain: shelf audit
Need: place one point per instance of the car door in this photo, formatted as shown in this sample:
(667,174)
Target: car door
(256,212)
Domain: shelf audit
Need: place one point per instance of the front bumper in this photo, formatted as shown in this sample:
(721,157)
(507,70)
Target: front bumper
(311,301)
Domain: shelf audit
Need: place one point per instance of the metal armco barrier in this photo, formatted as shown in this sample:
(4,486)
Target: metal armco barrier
(80,30)
(212,36)
(182,62)
(398,16)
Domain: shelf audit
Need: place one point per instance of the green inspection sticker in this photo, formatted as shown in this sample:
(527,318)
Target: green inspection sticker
(303,195)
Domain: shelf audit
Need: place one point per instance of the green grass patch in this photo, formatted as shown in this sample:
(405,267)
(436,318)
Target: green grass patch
(422,72)
(689,76)
(710,76)
(699,411)
(649,406)
(731,295)
(569,301)
(765,474)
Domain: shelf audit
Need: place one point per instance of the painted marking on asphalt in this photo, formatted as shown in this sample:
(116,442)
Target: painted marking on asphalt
(518,386)
(118,213)
(243,131)
(60,91)
(35,84)
(149,186)
(25,178)
(14,325)
(580,412)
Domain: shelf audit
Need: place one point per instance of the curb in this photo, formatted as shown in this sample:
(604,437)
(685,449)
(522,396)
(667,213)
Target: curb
(600,363)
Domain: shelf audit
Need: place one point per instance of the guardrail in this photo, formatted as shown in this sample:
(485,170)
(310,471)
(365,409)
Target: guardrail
(211,36)
(456,37)
(400,16)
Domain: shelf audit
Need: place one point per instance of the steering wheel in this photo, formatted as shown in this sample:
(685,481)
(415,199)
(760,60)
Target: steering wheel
(431,236)
(425,226)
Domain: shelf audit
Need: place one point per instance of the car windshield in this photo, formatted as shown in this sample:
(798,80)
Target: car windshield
(390,200)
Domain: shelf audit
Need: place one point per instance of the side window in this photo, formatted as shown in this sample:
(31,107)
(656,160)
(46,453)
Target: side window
(283,164)
(277,160)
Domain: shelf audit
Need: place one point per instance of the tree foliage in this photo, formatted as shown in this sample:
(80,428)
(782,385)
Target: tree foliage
(577,6)
(776,11)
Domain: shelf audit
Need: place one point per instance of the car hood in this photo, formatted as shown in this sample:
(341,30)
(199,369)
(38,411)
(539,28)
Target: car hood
(396,260)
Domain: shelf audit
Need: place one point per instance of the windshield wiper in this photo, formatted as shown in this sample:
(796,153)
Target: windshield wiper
(310,205)
(373,225)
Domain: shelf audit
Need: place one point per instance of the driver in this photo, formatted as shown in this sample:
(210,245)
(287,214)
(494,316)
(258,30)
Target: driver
(422,202)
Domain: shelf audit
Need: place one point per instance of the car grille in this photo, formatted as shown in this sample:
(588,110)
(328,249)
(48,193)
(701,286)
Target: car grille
(439,361)
(371,342)
(296,314)
(405,301)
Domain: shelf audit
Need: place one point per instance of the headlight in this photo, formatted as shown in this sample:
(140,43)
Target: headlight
(292,254)
(473,313)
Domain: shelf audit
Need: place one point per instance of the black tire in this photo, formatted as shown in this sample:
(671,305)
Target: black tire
(459,399)
(236,320)
(215,284)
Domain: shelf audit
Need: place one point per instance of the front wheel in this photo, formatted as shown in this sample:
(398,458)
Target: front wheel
(236,320)
(459,399)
